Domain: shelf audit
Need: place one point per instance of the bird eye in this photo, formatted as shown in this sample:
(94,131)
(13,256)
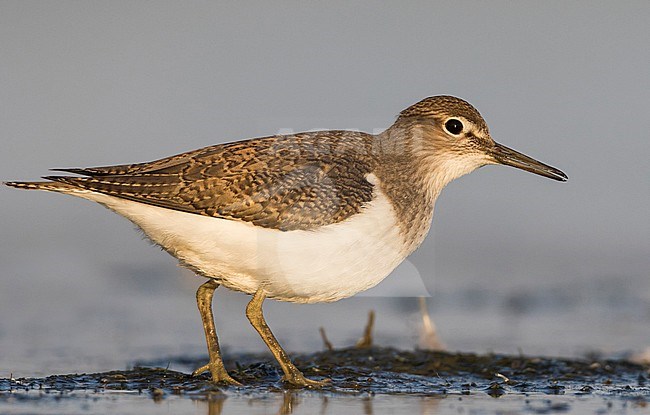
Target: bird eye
(454,126)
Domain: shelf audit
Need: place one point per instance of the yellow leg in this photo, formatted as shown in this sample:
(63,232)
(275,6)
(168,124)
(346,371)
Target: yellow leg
(204,301)
(291,373)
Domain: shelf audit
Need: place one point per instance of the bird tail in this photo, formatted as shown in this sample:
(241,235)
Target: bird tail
(51,186)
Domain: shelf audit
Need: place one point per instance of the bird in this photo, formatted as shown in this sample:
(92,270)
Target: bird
(306,217)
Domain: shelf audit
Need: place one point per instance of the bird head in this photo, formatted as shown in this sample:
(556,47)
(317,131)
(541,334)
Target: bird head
(452,139)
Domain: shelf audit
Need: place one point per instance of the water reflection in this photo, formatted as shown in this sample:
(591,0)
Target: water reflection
(289,402)
(292,401)
(215,404)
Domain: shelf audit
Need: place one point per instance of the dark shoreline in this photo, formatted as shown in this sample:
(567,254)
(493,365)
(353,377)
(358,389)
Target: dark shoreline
(376,370)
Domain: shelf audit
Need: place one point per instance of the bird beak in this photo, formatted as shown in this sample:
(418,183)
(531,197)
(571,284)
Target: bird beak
(509,157)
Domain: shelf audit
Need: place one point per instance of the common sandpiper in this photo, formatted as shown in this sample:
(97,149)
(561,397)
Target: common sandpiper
(306,218)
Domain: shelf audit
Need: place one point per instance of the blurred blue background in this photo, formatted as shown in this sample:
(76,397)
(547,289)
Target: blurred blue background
(513,262)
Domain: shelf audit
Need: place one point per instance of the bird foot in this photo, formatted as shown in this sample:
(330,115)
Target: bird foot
(299,380)
(219,374)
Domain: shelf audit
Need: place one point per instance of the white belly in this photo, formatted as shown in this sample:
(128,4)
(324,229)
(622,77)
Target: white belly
(327,264)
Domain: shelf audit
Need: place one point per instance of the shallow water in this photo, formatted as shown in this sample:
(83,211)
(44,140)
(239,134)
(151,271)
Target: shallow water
(68,314)
(86,316)
(310,403)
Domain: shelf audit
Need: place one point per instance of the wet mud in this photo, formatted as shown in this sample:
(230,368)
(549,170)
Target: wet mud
(357,372)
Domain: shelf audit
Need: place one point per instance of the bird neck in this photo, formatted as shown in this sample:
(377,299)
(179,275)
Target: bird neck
(410,188)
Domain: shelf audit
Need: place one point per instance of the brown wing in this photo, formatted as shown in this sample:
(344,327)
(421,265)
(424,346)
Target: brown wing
(299,181)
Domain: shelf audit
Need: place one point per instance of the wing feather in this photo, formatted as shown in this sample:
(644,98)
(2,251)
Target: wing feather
(300,181)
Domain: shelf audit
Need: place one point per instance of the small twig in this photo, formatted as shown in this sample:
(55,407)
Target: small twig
(504,377)
(326,342)
(428,336)
(365,341)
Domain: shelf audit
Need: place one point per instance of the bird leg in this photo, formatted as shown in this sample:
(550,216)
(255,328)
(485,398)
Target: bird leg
(291,373)
(204,301)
